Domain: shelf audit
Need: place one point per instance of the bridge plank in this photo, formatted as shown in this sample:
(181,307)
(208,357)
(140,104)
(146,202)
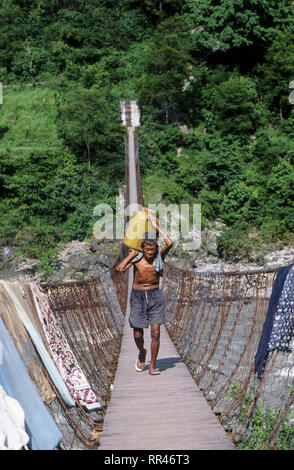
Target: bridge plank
(165,412)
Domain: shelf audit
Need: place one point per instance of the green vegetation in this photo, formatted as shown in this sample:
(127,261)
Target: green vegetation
(260,426)
(212,79)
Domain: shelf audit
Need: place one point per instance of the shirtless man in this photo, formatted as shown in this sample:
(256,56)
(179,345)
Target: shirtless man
(147,301)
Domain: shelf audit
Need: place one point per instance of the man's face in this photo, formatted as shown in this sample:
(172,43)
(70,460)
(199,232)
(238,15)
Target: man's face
(150,251)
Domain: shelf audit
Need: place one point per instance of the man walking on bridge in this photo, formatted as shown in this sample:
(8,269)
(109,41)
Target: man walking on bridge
(147,301)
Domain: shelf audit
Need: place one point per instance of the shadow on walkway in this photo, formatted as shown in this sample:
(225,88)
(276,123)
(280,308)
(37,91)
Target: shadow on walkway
(167,362)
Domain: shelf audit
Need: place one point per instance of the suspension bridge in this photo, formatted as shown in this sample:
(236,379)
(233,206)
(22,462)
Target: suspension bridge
(208,344)
(207,395)
(155,412)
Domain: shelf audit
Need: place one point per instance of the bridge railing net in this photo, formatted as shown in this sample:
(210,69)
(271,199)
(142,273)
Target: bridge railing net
(91,315)
(215,322)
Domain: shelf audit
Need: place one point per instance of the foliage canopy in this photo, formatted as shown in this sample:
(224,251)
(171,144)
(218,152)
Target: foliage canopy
(212,79)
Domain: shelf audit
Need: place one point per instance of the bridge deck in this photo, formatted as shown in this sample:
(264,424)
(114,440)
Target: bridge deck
(165,412)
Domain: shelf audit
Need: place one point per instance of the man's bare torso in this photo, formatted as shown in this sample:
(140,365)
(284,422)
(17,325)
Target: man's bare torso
(145,276)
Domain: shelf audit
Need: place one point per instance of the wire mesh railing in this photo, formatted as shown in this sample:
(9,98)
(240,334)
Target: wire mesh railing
(91,316)
(216,321)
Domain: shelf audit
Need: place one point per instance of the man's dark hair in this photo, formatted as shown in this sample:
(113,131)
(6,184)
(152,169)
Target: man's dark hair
(149,239)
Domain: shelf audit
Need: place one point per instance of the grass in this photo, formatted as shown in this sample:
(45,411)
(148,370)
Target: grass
(27,118)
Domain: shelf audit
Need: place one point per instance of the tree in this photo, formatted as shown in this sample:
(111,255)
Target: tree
(236,106)
(157,8)
(166,65)
(86,121)
(277,71)
(11,35)
(280,189)
(227,24)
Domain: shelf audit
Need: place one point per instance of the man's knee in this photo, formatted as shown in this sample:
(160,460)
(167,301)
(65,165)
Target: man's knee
(138,333)
(155,331)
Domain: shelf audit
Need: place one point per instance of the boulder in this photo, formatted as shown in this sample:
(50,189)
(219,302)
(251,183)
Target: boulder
(7,252)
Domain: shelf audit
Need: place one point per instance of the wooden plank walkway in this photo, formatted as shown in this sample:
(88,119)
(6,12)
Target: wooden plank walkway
(165,412)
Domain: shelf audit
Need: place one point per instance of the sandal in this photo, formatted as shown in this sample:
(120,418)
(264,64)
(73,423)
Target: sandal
(154,371)
(139,365)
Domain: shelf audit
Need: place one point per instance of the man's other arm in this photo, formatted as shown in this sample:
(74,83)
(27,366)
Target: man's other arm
(126,262)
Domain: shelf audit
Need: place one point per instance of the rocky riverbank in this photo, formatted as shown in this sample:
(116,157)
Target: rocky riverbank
(86,260)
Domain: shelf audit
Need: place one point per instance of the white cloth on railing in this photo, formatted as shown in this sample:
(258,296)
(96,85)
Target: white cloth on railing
(37,340)
(12,423)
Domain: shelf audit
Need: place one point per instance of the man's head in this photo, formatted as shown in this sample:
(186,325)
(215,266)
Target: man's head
(149,248)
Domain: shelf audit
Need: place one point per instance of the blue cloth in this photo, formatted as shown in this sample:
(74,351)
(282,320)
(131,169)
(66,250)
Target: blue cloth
(283,326)
(39,345)
(39,424)
(157,262)
(262,350)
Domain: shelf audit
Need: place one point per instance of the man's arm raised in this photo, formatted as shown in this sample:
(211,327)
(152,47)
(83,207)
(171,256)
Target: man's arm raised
(126,262)
(166,238)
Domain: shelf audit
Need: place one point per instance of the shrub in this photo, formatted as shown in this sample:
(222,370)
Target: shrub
(235,244)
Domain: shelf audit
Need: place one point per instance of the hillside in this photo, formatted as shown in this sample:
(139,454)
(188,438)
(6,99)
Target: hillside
(217,125)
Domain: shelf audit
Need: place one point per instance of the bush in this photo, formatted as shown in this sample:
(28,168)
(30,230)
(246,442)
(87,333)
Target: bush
(235,244)
(280,190)
(237,110)
(241,203)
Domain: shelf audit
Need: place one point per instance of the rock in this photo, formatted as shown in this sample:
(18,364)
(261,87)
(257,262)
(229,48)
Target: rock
(25,265)
(209,236)
(94,245)
(85,260)
(279,257)
(89,262)
(86,263)
(74,248)
(104,261)
(7,252)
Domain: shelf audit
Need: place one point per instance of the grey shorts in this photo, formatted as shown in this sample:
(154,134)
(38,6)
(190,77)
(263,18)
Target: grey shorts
(146,307)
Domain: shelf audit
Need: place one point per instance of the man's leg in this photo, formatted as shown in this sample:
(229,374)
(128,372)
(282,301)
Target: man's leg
(155,341)
(139,340)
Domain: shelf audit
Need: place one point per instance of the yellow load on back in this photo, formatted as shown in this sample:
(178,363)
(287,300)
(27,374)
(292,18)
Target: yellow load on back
(138,225)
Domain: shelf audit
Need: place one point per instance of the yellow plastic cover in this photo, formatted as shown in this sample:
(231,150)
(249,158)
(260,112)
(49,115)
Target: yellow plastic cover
(138,225)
